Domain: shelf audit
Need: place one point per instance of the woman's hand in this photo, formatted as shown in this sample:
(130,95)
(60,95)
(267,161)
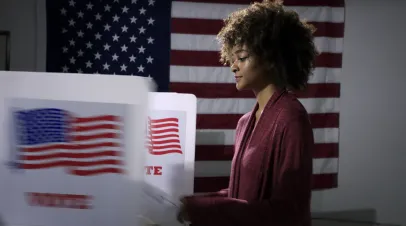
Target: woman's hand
(182,213)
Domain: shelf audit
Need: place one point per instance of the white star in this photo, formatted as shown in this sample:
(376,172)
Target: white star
(133,1)
(80,14)
(71,22)
(132,58)
(98,16)
(133,20)
(151,21)
(106,47)
(97,35)
(89,25)
(89,45)
(65,68)
(150,78)
(80,53)
(125,9)
(115,57)
(116,18)
(89,64)
(80,71)
(63,11)
(140,68)
(151,2)
(107,8)
(72,3)
(107,27)
(124,28)
(97,55)
(115,37)
(133,38)
(124,48)
(141,49)
(71,42)
(123,67)
(150,59)
(80,33)
(106,66)
(115,0)
(64,30)
(72,60)
(150,40)
(89,6)
(142,30)
(64,49)
(142,10)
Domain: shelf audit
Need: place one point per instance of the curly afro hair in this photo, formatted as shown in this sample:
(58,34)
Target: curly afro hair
(277,36)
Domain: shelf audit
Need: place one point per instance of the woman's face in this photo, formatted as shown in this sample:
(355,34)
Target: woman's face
(248,72)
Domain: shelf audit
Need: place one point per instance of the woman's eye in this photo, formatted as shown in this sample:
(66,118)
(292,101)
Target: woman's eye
(242,58)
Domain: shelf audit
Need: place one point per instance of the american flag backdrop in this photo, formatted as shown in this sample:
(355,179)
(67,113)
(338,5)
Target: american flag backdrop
(173,42)
(53,138)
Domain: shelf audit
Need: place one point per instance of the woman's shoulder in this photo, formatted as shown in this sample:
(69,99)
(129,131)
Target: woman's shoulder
(291,109)
(244,119)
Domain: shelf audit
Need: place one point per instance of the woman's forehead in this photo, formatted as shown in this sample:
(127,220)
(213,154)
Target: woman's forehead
(238,49)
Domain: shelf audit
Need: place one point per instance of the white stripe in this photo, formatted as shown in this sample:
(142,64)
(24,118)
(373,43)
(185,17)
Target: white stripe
(244,105)
(223,75)
(208,43)
(222,168)
(227,136)
(221,11)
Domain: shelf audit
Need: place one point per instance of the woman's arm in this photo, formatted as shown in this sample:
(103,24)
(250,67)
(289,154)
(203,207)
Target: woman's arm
(290,196)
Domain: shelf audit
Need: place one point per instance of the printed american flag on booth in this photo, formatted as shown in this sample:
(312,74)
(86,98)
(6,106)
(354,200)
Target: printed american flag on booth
(163,136)
(52,138)
(173,42)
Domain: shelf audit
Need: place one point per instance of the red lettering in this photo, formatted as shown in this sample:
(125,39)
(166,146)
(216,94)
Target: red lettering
(72,201)
(153,170)
(149,168)
(157,170)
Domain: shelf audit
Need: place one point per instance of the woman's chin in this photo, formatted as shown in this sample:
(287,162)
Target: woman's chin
(240,86)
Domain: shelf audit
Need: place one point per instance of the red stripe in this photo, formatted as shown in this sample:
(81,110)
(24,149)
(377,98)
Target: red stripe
(212,27)
(73,155)
(211,59)
(166,146)
(214,152)
(98,118)
(228,90)
(164,125)
(166,152)
(212,184)
(225,152)
(164,131)
(71,147)
(154,137)
(164,120)
(71,163)
(229,121)
(96,127)
(96,136)
(325,150)
(154,142)
(331,3)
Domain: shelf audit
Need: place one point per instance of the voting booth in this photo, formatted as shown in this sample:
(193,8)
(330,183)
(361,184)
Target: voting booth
(92,150)
(171,132)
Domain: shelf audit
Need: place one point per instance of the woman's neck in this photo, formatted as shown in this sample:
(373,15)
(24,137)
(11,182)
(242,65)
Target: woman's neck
(264,95)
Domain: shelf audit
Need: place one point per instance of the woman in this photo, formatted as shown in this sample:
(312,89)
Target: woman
(271,52)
